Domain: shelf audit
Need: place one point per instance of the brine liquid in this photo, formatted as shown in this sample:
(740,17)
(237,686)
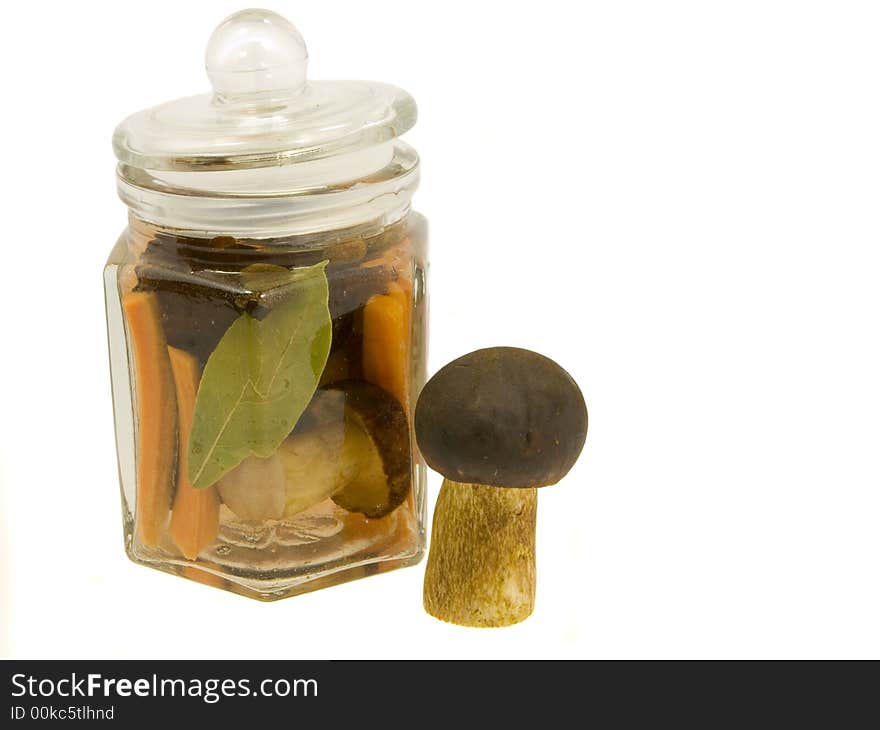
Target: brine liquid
(200,292)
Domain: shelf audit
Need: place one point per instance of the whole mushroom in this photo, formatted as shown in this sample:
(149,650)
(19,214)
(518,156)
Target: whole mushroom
(497,424)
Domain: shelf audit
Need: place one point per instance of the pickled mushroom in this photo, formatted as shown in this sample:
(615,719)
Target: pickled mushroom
(377,439)
(352,444)
(313,468)
(255,489)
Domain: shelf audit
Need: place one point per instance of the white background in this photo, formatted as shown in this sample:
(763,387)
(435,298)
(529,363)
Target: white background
(676,201)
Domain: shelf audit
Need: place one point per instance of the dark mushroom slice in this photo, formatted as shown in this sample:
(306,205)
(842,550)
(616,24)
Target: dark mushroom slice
(200,290)
(496,423)
(195,312)
(344,362)
(199,306)
(351,287)
(377,437)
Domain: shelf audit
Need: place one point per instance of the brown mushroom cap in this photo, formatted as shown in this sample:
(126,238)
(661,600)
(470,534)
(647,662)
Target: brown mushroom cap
(503,417)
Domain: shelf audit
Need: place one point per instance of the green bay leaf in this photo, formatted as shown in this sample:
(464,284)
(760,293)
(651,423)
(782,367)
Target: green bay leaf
(261,376)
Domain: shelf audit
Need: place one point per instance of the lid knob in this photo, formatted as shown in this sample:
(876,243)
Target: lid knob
(257,54)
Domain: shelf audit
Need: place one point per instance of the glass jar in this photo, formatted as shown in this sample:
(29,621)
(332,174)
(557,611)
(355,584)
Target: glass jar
(266,311)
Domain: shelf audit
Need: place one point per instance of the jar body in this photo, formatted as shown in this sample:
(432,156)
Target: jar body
(205,334)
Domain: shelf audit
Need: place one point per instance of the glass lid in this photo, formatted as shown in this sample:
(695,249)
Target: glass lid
(263,112)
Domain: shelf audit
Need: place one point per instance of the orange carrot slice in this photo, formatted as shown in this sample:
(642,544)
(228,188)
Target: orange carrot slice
(387,342)
(195,516)
(156,415)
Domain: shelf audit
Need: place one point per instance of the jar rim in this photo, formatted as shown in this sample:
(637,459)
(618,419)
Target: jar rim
(282,201)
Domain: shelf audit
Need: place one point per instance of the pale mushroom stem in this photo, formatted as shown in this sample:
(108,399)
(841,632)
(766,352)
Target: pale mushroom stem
(481,567)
